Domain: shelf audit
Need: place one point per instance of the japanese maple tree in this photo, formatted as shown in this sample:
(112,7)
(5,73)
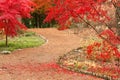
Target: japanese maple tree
(10,12)
(67,11)
(78,10)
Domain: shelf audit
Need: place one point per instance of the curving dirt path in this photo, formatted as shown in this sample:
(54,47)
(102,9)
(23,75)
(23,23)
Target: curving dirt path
(40,63)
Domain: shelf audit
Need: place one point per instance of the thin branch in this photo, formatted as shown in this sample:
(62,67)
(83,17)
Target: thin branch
(95,30)
(115,7)
(105,23)
(102,16)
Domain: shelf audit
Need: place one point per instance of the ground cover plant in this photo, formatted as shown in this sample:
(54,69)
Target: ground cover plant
(25,40)
(100,58)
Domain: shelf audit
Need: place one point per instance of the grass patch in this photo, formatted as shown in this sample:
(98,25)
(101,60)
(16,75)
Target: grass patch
(25,41)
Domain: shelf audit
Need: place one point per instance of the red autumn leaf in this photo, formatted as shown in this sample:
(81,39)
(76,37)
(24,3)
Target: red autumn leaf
(62,28)
(89,49)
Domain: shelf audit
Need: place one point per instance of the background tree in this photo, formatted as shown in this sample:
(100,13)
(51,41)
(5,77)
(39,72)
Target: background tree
(42,6)
(10,12)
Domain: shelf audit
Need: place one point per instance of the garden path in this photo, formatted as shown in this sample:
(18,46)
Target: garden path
(40,63)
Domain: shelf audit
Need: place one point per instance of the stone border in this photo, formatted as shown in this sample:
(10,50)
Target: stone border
(44,38)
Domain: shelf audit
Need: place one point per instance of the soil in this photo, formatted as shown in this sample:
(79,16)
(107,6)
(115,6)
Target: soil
(39,63)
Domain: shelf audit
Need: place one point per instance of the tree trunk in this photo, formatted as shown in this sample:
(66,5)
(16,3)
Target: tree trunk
(35,20)
(117,14)
(6,40)
(6,33)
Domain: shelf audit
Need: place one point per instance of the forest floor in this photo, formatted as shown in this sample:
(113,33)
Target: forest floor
(39,63)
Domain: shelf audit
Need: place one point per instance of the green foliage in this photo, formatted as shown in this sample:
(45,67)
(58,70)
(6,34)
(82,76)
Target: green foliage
(27,41)
(29,34)
(37,21)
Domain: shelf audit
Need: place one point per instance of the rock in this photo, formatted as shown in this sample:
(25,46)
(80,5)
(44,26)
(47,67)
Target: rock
(6,52)
(78,50)
(19,49)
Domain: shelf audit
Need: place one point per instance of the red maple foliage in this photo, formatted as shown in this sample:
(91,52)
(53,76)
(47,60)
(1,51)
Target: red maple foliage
(10,12)
(102,51)
(78,10)
(111,36)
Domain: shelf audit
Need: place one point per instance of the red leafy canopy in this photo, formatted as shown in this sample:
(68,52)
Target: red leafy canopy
(10,12)
(64,10)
